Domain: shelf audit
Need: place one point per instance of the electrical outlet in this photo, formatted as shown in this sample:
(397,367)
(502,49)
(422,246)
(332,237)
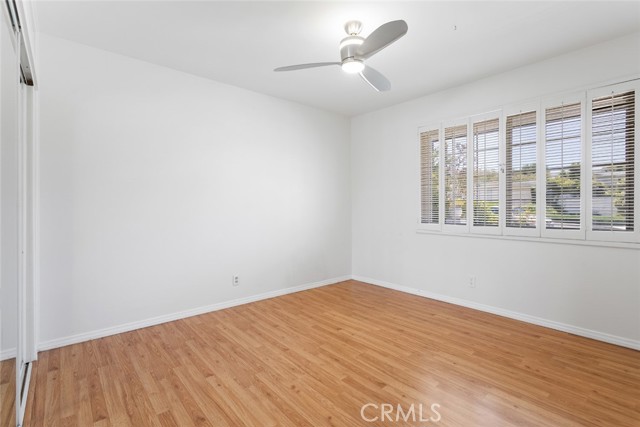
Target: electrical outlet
(235,280)
(472,281)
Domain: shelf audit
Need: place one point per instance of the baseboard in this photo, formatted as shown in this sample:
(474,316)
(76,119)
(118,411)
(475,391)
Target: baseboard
(576,330)
(9,353)
(87,336)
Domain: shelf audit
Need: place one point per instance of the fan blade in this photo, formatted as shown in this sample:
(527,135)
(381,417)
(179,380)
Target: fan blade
(303,66)
(375,79)
(382,37)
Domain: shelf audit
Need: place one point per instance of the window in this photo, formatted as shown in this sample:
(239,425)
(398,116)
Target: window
(430,177)
(520,171)
(562,167)
(455,177)
(613,177)
(486,173)
(563,163)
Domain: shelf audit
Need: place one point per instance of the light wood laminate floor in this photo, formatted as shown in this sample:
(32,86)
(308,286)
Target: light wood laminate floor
(315,358)
(7,392)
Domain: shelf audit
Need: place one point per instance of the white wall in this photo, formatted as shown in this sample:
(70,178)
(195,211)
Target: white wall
(593,288)
(158,186)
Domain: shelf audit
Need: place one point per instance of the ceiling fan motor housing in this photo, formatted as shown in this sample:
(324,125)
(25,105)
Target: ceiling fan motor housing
(348,47)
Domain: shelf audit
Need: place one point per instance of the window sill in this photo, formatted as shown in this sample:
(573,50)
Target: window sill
(557,241)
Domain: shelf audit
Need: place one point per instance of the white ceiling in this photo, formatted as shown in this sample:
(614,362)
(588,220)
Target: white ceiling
(239,43)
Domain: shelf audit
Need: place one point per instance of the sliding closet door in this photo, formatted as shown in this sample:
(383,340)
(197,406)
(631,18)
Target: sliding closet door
(25,336)
(9,214)
(17,215)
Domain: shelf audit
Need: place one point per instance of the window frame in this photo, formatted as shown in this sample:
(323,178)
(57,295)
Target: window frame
(602,235)
(554,102)
(477,118)
(513,110)
(582,236)
(431,226)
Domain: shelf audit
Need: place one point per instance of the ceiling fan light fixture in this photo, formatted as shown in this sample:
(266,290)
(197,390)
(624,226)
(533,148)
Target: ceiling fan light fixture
(352,66)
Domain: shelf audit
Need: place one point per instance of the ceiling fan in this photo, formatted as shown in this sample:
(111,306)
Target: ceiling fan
(354,50)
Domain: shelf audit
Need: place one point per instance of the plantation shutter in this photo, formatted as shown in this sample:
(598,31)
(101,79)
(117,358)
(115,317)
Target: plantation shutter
(486,173)
(563,163)
(430,177)
(613,162)
(520,170)
(455,179)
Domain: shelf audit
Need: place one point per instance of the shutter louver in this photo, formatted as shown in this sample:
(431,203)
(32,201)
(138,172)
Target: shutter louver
(455,179)
(520,170)
(563,140)
(430,177)
(486,173)
(613,162)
